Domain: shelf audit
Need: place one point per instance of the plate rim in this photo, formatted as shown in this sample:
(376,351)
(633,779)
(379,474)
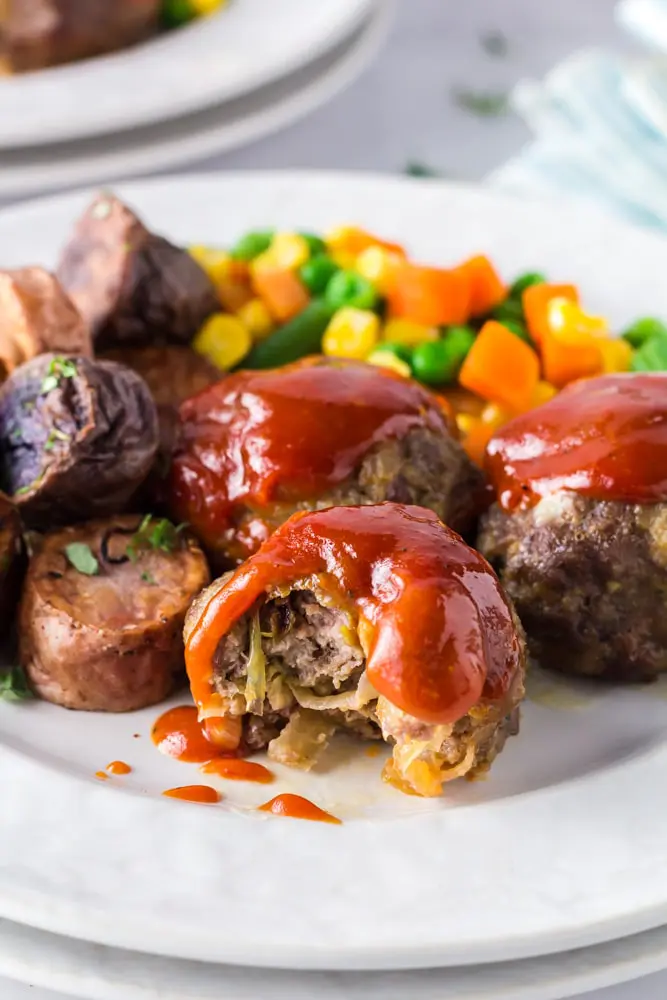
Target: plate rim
(67,796)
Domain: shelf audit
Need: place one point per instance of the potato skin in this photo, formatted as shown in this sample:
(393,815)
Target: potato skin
(90,666)
(80,449)
(11,564)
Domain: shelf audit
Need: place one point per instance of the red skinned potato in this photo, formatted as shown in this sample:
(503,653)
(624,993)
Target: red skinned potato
(11,564)
(77,438)
(132,287)
(102,613)
(37,316)
(39,33)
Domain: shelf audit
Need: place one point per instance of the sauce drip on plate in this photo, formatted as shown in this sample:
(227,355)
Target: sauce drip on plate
(257,439)
(433,620)
(239,770)
(118,767)
(297,807)
(605,438)
(194,793)
(179,733)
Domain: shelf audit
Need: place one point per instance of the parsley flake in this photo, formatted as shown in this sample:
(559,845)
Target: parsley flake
(14,685)
(483,103)
(55,435)
(60,367)
(157,534)
(81,557)
(148,578)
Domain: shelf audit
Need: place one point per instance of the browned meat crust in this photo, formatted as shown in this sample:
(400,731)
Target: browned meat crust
(11,564)
(589,581)
(109,642)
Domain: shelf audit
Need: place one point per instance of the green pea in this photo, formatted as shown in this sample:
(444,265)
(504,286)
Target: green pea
(519,329)
(651,356)
(252,244)
(524,281)
(317,272)
(349,289)
(436,362)
(401,351)
(174,13)
(316,244)
(510,309)
(295,339)
(644,329)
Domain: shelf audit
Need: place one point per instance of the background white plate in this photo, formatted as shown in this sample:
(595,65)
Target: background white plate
(562,847)
(159,147)
(94,972)
(247,45)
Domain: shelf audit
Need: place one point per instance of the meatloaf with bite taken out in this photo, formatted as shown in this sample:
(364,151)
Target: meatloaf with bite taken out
(377,620)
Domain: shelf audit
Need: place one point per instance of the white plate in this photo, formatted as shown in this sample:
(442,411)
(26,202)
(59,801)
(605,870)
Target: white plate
(216,130)
(215,59)
(563,846)
(94,972)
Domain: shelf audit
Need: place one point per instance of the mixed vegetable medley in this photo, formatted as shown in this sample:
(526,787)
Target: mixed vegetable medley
(495,350)
(178,12)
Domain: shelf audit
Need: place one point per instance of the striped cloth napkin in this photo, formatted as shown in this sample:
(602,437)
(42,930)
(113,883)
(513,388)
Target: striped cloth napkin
(600,125)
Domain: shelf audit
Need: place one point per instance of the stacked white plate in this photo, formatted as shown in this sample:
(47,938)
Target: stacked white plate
(221,82)
(548,879)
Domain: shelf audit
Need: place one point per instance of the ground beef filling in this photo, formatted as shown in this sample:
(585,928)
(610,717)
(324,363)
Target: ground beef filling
(314,684)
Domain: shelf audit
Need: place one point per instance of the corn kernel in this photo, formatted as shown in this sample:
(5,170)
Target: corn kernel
(465,422)
(203,7)
(409,333)
(216,263)
(351,333)
(495,416)
(616,355)
(289,251)
(544,391)
(387,359)
(571,324)
(378,266)
(224,340)
(256,318)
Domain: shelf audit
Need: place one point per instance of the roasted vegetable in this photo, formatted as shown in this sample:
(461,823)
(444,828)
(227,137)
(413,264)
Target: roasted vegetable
(134,288)
(77,437)
(102,614)
(37,316)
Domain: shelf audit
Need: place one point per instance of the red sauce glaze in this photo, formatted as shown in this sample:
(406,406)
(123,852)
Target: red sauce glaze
(298,808)
(604,438)
(434,624)
(194,793)
(262,438)
(239,770)
(118,767)
(179,733)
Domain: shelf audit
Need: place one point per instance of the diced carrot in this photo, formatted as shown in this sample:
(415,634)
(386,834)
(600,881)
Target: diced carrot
(566,358)
(476,440)
(430,295)
(536,299)
(282,292)
(501,368)
(486,288)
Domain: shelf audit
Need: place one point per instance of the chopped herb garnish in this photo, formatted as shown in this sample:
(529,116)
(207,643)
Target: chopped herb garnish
(158,534)
(59,368)
(23,490)
(16,434)
(148,578)
(14,685)
(55,435)
(494,43)
(81,557)
(482,103)
(413,168)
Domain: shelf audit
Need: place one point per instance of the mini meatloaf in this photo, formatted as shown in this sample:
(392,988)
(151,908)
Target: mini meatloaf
(102,613)
(579,535)
(37,316)
(258,446)
(378,620)
(132,287)
(39,33)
